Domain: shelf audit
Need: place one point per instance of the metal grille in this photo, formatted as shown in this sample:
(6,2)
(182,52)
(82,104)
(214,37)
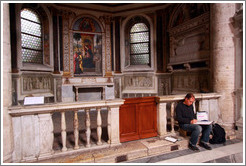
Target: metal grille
(139,44)
(142,59)
(30,27)
(31,37)
(31,56)
(139,37)
(139,27)
(31,42)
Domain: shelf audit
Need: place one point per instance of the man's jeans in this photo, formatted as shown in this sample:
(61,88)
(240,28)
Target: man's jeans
(195,132)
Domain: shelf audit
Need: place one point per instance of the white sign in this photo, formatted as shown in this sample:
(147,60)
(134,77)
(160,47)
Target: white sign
(33,100)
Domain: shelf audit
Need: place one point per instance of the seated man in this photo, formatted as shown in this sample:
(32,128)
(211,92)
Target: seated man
(186,118)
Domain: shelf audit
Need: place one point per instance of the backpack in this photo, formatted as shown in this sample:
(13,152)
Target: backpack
(218,134)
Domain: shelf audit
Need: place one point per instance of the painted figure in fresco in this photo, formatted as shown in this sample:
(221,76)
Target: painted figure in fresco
(78,62)
(88,55)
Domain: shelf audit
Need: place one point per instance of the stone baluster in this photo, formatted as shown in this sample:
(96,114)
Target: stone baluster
(109,126)
(77,94)
(87,125)
(76,130)
(63,132)
(99,126)
(172,117)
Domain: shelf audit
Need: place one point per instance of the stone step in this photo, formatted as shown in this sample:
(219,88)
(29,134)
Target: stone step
(125,152)
(150,150)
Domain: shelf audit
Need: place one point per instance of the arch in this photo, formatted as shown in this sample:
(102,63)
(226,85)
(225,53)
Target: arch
(88,16)
(187,11)
(31,36)
(47,42)
(126,24)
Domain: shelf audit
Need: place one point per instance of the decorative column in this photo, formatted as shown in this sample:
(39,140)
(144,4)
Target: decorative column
(237,22)
(7,137)
(117,44)
(65,34)
(108,54)
(55,40)
(223,61)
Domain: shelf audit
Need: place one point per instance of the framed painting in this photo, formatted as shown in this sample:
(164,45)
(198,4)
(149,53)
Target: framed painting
(87,48)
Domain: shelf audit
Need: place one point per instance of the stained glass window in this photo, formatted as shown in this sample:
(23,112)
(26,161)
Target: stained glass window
(139,44)
(31,37)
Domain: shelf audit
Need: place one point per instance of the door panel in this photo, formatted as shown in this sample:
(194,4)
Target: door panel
(138,119)
(147,120)
(128,123)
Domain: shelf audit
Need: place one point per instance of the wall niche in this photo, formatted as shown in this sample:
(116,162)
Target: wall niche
(189,59)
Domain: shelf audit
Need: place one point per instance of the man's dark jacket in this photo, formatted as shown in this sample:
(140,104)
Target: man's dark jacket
(184,113)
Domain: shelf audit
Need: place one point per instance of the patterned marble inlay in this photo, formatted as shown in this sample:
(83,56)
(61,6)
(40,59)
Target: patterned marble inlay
(66,44)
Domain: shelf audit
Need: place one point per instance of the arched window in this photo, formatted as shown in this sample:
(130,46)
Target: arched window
(31,37)
(139,44)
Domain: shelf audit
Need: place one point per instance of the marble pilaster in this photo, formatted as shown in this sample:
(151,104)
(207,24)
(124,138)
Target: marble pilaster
(8,142)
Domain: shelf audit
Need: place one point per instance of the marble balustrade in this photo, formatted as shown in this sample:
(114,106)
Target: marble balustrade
(34,131)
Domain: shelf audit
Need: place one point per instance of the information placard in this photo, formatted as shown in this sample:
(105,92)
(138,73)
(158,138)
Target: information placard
(33,100)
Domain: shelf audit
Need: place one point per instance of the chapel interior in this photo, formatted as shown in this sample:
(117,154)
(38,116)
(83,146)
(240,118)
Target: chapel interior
(97,65)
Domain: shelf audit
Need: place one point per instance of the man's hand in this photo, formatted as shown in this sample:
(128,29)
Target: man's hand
(193,121)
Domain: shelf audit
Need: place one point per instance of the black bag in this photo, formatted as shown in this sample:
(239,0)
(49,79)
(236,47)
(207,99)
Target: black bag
(218,133)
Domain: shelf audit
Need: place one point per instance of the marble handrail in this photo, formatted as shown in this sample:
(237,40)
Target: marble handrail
(49,108)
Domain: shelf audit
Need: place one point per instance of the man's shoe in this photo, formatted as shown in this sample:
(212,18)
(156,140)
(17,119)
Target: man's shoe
(193,147)
(204,145)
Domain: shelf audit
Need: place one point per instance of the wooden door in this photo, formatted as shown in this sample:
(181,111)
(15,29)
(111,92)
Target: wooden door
(138,119)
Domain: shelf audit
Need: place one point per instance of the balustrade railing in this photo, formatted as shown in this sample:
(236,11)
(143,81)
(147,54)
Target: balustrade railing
(34,131)
(42,146)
